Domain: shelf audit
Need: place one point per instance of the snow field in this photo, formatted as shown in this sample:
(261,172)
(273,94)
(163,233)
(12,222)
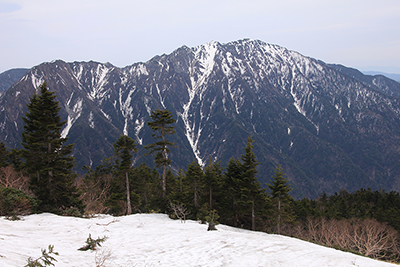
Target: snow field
(156,240)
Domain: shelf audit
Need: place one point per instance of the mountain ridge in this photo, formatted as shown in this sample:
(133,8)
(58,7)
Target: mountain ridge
(317,120)
(393,76)
(9,77)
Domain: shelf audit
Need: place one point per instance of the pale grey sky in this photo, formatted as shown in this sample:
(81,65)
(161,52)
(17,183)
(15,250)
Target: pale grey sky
(363,34)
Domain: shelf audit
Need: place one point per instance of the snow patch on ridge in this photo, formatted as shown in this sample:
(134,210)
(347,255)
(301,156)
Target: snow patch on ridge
(298,102)
(138,127)
(159,94)
(99,80)
(91,120)
(126,108)
(105,115)
(73,115)
(146,104)
(37,80)
(200,68)
(141,69)
(125,131)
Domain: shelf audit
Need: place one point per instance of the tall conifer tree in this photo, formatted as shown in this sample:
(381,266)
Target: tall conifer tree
(47,159)
(195,175)
(124,146)
(231,207)
(243,190)
(250,186)
(161,125)
(212,181)
(280,197)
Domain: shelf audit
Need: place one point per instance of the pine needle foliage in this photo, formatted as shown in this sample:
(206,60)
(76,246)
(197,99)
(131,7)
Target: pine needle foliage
(92,244)
(47,159)
(161,126)
(281,199)
(46,259)
(212,219)
(124,147)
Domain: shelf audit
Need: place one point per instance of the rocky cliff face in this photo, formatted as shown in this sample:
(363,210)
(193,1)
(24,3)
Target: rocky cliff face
(329,129)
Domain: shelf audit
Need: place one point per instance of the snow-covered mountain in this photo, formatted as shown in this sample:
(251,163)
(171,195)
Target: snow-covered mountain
(156,240)
(328,129)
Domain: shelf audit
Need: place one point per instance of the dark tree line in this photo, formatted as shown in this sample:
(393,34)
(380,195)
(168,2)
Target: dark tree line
(233,194)
(361,204)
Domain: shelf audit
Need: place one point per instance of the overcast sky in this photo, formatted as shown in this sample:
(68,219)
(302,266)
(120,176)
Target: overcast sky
(363,34)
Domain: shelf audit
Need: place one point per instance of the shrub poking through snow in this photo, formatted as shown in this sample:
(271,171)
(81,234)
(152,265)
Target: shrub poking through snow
(71,211)
(212,220)
(180,211)
(14,202)
(91,244)
(45,260)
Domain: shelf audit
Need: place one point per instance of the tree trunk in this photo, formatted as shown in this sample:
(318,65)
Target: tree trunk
(235,223)
(128,196)
(196,203)
(253,217)
(164,181)
(164,175)
(279,216)
(235,218)
(211,205)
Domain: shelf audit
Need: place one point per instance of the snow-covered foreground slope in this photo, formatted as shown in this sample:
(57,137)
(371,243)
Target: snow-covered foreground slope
(156,240)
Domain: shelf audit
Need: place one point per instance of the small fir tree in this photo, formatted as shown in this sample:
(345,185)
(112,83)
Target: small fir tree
(212,219)
(92,244)
(46,259)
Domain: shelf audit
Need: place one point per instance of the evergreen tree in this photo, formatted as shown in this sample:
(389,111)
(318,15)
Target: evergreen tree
(181,190)
(145,183)
(250,186)
(123,147)
(231,195)
(3,155)
(14,157)
(212,182)
(161,125)
(194,176)
(244,200)
(10,157)
(281,198)
(47,159)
